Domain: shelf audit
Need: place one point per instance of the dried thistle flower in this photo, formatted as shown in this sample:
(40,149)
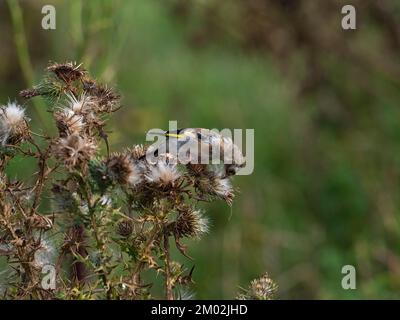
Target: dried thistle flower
(190,223)
(13,124)
(135,177)
(137,152)
(163,173)
(106,97)
(125,227)
(122,169)
(83,105)
(74,150)
(196,169)
(119,168)
(68,122)
(213,183)
(223,189)
(263,288)
(29,93)
(68,71)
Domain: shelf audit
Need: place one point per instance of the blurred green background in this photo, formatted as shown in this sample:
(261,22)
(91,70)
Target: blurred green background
(324,103)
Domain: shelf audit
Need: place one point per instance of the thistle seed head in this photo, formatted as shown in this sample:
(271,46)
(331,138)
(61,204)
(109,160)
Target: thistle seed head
(13,124)
(83,105)
(214,183)
(223,189)
(263,288)
(106,97)
(125,227)
(196,169)
(190,223)
(68,71)
(74,150)
(163,173)
(119,168)
(68,122)
(137,152)
(136,174)
(29,93)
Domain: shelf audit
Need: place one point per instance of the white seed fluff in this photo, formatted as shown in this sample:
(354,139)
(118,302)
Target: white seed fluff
(163,173)
(11,117)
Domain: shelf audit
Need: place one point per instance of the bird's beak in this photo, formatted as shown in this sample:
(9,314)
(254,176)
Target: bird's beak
(174,135)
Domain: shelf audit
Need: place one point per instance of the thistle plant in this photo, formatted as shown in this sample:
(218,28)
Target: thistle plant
(263,288)
(114,216)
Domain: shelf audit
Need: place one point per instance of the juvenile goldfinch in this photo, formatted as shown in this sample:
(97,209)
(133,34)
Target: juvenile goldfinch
(208,144)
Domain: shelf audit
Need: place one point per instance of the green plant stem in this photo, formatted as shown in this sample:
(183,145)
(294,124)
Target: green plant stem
(99,242)
(140,264)
(77,32)
(168,285)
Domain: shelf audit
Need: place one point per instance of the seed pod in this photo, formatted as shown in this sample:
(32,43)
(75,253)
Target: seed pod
(67,72)
(263,288)
(125,227)
(190,223)
(13,124)
(119,168)
(74,150)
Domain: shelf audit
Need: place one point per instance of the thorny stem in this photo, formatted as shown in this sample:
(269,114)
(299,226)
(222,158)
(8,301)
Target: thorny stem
(24,252)
(42,176)
(100,247)
(140,264)
(168,282)
(99,242)
(30,276)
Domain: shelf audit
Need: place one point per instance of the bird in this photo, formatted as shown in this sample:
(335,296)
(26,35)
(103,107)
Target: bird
(199,144)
